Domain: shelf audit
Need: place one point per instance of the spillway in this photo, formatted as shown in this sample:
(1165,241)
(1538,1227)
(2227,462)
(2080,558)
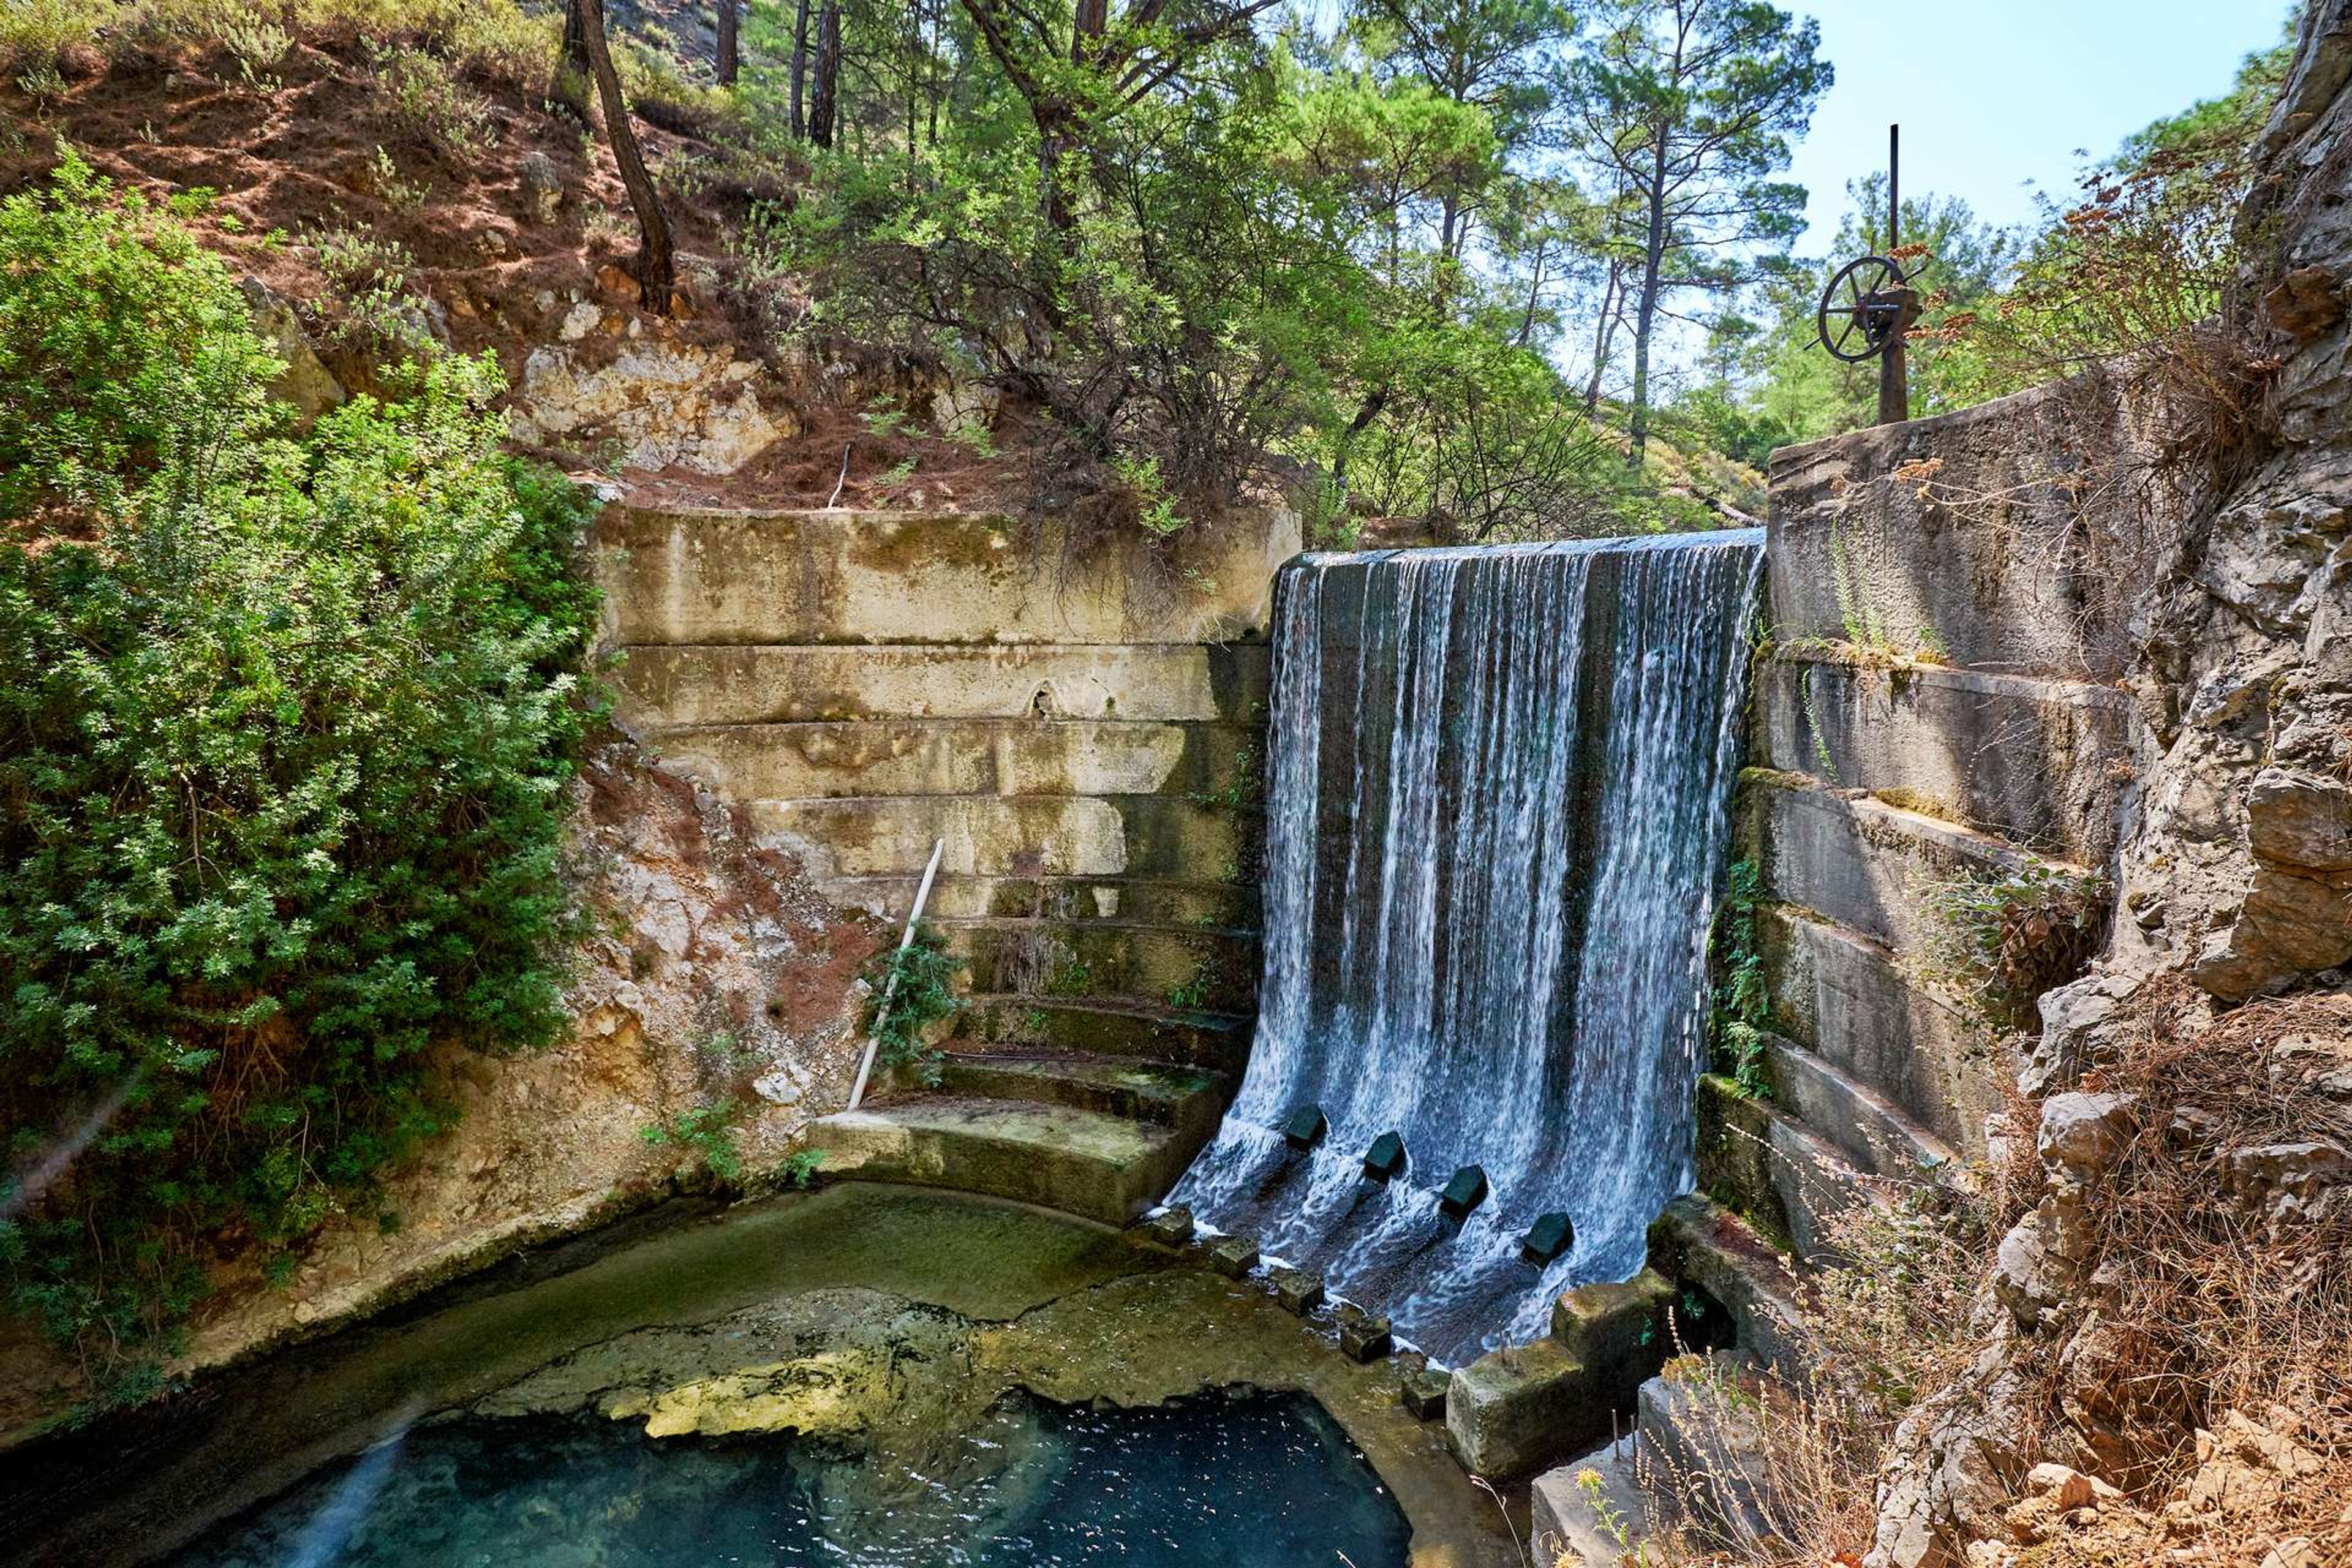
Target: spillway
(1497,783)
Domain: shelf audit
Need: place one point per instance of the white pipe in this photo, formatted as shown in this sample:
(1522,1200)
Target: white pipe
(890,985)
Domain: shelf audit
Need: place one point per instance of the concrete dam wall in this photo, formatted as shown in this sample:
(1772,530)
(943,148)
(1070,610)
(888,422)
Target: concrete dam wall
(1083,729)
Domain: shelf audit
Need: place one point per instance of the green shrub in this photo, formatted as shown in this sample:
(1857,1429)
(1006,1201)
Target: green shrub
(912,990)
(284,732)
(1743,996)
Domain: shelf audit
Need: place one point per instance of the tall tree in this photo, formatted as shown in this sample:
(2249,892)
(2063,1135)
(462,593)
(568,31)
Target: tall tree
(825,92)
(656,266)
(1691,103)
(1499,55)
(730,62)
(567,94)
(1075,63)
(800,66)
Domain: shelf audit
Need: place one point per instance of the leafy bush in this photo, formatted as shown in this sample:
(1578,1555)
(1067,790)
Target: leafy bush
(284,729)
(423,96)
(1743,1004)
(2006,940)
(707,1131)
(913,989)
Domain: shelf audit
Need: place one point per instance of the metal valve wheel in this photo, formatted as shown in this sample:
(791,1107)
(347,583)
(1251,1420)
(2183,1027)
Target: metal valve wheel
(1862,309)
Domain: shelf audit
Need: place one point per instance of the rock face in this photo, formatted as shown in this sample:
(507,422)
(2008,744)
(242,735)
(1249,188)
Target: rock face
(653,404)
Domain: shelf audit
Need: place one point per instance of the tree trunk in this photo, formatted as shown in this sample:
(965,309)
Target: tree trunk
(656,266)
(1654,259)
(825,93)
(1602,333)
(730,61)
(567,94)
(800,66)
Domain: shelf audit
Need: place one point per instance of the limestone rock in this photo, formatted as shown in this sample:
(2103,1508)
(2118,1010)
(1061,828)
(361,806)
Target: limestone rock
(542,184)
(2084,1134)
(305,383)
(663,402)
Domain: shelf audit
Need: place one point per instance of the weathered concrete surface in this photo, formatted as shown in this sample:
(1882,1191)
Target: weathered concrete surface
(1111,1026)
(1868,1129)
(1619,1331)
(1566,1528)
(695,576)
(1990,537)
(1096,1166)
(1203,968)
(2046,765)
(663,685)
(1862,862)
(960,756)
(1698,1240)
(1516,1409)
(1775,1168)
(1149,901)
(1844,996)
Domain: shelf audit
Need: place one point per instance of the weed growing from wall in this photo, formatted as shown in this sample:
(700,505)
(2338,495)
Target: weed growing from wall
(1743,1002)
(918,982)
(2003,940)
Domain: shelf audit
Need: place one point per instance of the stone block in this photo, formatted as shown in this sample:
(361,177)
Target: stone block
(1566,1530)
(1234,1256)
(1385,1160)
(1363,1336)
(1618,1332)
(1516,1410)
(1423,1392)
(1170,1227)
(2046,765)
(1298,1291)
(1697,1240)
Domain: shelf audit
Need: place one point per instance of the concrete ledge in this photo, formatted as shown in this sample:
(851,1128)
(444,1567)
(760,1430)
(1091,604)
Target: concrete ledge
(1103,1027)
(1205,970)
(963,756)
(1515,1410)
(1777,1171)
(2045,763)
(1565,1531)
(1007,835)
(1868,1129)
(1098,1167)
(1223,906)
(1703,1446)
(1859,861)
(1841,995)
(694,575)
(1189,1100)
(1697,1240)
(1154,683)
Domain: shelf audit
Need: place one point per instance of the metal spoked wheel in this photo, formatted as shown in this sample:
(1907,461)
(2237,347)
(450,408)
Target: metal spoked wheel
(1859,308)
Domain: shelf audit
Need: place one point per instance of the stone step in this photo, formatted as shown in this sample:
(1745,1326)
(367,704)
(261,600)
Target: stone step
(1843,996)
(1695,1240)
(1189,1100)
(1868,1129)
(1001,836)
(1703,1448)
(1566,1524)
(1864,863)
(1212,762)
(1225,905)
(1778,1170)
(1153,683)
(694,576)
(1989,559)
(1196,970)
(2046,765)
(1086,1162)
(1110,1027)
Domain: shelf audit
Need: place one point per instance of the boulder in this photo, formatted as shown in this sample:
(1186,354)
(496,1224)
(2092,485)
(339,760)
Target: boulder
(305,383)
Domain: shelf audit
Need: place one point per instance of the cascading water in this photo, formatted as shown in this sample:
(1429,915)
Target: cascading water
(1496,812)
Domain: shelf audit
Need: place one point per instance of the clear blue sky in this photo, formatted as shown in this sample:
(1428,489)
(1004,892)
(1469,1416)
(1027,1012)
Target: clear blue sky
(1994,93)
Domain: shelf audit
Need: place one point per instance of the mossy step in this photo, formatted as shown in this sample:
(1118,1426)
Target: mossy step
(1869,1129)
(784,682)
(1027,756)
(1230,907)
(1111,1028)
(1084,1163)
(1188,1098)
(1199,969)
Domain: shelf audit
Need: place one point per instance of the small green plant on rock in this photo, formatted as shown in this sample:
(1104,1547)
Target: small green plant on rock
(913,988)
(1743,1002)
(707,1132)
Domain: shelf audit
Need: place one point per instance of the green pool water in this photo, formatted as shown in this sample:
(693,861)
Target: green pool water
(1234,1481)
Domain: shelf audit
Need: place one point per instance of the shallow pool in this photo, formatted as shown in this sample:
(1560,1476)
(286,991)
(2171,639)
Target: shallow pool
(1240,1480)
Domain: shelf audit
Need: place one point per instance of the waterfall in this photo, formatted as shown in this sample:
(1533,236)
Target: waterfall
(1497,783)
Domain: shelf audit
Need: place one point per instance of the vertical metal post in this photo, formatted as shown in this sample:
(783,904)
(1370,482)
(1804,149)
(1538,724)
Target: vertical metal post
(1894,380)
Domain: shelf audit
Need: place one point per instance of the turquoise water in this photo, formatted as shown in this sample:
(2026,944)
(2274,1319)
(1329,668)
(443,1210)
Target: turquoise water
(1261,1481)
